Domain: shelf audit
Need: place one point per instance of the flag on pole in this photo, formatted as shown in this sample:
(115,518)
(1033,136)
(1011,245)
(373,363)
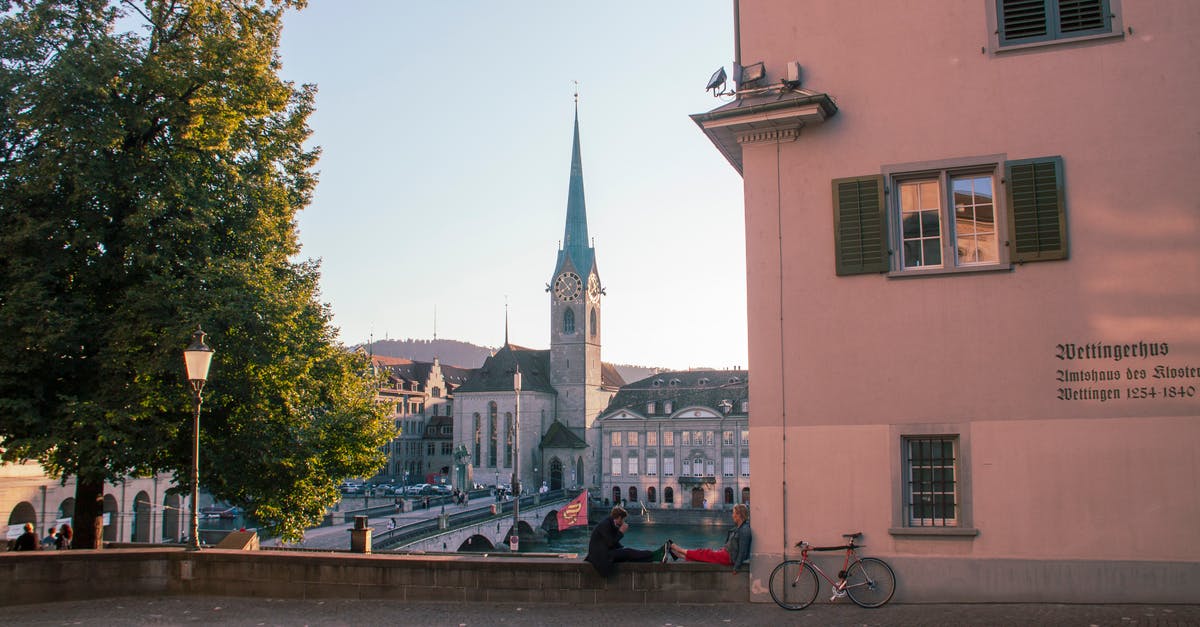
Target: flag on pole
(575,513)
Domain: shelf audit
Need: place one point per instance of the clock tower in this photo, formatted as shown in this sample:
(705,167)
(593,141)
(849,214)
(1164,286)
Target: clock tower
(575,291)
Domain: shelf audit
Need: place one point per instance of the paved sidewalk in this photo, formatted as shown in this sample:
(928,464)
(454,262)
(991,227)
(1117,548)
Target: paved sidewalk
(240,611)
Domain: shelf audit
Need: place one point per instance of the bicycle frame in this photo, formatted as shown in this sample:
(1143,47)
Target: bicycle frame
(839,586)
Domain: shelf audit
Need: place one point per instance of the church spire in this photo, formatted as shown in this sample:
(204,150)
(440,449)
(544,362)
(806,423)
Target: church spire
(575,244)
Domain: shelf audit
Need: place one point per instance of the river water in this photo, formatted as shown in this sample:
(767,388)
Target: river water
(639,536)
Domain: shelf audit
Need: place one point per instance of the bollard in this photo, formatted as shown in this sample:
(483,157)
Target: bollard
(360,536)
(443,521)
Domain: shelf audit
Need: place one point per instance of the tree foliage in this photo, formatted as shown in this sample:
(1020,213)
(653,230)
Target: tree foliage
(151,166)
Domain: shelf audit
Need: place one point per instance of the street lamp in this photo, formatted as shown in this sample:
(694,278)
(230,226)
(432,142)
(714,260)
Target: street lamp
(197,358)
(514,542)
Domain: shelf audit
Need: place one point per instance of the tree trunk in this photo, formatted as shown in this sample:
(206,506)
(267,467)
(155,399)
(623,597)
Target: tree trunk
(89,514)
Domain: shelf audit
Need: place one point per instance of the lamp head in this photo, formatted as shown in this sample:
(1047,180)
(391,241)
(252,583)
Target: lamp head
(197,357)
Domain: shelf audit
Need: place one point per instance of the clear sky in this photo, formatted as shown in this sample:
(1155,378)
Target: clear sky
(446,136)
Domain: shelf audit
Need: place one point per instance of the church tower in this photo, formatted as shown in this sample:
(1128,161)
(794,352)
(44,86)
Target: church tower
(575,291)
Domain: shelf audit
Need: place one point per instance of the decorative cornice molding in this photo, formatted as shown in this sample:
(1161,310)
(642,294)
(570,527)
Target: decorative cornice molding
(770,135)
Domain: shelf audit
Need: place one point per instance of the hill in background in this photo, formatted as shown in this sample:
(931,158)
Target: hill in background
(467,355)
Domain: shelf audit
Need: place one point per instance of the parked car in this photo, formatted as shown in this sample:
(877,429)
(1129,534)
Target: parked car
(442,489)
(418,489)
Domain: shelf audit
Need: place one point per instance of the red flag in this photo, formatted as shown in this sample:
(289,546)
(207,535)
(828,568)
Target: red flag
(575,513)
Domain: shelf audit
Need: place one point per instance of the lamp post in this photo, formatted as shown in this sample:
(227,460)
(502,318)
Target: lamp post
(197,357)
(515,541)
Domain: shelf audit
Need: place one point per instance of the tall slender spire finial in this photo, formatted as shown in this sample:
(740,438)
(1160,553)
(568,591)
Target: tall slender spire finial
(506,320)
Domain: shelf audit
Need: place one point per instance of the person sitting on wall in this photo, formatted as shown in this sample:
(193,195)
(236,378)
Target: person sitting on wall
(736,551)
(605,550)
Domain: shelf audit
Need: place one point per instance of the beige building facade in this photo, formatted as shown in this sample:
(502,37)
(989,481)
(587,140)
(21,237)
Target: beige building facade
(973,254)
(678,440)
(135,510)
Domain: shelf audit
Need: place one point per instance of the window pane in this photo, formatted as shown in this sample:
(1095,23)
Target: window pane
(930,225)
(974,220)
(912,254)
(920,223)
(932,249)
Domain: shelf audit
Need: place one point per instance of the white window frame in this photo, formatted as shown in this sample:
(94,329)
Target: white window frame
(942,171)
(651,466)
(668,438)
(668,466)
(632,466)
(745,463)
(632,438)
(616,438)
(727,468)
(651,438)
(615,468)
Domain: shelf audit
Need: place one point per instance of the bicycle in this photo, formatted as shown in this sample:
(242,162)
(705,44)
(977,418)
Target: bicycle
(868,581)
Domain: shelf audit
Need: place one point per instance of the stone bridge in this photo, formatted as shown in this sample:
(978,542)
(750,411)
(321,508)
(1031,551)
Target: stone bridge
(477,530)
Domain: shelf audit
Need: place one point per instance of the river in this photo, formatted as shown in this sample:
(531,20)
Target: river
(639,536)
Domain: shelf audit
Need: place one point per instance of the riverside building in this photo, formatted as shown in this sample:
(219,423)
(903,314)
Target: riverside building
(956,215)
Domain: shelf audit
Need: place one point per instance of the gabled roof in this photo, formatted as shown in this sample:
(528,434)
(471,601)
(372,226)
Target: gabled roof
(559,436)
(496,374)
(689,388)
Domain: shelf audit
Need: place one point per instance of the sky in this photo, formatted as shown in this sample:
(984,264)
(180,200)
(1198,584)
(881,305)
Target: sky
(445,130)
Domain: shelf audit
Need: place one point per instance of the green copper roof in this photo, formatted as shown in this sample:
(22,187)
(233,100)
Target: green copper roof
(575,247)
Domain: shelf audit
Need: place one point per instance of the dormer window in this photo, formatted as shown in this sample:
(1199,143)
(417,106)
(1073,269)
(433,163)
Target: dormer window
(651,407)
(668,406)
(734,380)
(674,382)
(658,383)
(703,381)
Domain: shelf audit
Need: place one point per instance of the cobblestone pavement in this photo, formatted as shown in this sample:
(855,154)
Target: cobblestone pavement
(242,611)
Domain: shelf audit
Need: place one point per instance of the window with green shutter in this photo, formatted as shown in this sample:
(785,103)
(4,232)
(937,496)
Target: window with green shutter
(1037,217)
(1021,22)
(956,215)
(860,225)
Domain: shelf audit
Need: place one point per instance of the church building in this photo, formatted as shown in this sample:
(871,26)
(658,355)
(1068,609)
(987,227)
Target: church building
(550,409)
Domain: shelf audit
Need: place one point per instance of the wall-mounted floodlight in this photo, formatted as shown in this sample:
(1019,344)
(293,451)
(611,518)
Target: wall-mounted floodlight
(716,83)
(748,74)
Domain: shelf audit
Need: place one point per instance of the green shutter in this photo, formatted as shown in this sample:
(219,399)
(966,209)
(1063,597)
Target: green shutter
(860,225)
(1037,221)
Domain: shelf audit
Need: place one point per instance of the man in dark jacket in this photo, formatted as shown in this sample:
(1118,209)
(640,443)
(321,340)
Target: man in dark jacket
(604,547)
(27,541)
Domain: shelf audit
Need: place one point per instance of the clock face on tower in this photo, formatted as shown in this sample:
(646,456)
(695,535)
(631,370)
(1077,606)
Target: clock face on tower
(568,286)
(594,289)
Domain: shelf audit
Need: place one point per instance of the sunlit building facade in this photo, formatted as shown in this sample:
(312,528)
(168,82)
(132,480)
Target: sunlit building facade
(678,440)
(973,252)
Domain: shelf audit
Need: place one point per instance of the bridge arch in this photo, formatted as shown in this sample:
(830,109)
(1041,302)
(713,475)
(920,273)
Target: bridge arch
(476,543)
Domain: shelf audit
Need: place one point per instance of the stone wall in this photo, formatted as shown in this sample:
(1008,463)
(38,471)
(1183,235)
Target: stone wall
(53,576)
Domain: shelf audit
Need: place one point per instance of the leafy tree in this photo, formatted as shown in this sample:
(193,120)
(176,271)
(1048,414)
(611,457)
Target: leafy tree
(151,167)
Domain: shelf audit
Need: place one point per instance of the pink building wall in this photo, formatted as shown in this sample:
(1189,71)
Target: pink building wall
(1067,500)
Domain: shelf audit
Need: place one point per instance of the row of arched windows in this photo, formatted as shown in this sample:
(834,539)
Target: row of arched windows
(668,495)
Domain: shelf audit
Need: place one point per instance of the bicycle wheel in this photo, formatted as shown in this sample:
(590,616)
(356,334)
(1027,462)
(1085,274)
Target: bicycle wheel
(870,582)
(794,584)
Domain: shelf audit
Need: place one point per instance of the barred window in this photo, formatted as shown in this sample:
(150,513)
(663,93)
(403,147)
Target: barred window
(931,468)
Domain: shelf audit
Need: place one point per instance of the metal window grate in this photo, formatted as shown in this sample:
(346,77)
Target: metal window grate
(931,467)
